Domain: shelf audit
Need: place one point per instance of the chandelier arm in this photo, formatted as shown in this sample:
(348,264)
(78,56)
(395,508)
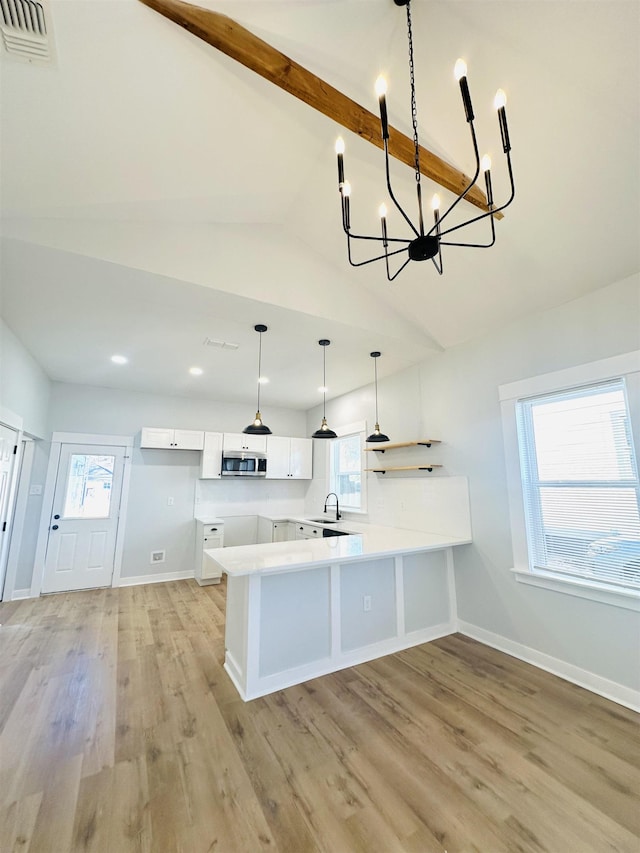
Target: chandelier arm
(398,271)
(490,213)
(346,227)
(390,190)
(371,260)
(351,236)
(469,185)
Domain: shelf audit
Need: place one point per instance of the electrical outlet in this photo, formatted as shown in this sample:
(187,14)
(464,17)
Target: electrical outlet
(169,501)
(366,603)
(157,557)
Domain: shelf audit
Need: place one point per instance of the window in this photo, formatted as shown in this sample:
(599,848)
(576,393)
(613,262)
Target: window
(580,484)
(345,470)
(88,490)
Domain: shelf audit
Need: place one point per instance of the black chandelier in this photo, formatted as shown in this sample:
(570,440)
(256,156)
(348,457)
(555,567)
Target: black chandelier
(425,244)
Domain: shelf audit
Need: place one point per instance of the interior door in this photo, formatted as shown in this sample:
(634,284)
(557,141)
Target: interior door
(84,519)
(8,443)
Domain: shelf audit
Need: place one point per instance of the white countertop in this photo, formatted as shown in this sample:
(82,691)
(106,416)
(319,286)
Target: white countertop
(367,542)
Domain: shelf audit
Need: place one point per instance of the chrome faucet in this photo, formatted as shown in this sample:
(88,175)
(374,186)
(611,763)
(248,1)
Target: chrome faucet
(337,504)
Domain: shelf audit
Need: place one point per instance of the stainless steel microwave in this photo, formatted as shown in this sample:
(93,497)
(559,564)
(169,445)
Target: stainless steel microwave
(243,463)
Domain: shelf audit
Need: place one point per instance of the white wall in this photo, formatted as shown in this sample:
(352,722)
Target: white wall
(156,475)
(24,387)
(454,396)
(24,392)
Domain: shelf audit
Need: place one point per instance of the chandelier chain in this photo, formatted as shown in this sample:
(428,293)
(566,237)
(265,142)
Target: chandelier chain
(414,110)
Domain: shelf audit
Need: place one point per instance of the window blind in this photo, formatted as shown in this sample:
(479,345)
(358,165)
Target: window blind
(580,484)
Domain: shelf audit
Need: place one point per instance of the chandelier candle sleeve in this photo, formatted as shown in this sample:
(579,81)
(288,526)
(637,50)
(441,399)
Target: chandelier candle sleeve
(460,72)
(340,153)
(486,168)
(500,104)
(381,92)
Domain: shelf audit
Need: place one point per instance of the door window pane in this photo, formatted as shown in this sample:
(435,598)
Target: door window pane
(89,486)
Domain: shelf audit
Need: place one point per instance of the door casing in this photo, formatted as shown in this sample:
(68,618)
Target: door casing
(57,440)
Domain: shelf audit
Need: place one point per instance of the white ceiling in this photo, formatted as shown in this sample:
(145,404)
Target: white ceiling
(155,193)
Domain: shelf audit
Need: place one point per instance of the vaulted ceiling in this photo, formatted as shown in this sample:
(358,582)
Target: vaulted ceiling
(155,193)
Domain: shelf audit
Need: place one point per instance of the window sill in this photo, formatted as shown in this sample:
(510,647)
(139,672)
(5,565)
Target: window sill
(581,588)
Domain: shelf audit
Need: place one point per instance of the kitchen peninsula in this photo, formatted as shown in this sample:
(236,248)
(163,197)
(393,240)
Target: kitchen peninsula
(300,609)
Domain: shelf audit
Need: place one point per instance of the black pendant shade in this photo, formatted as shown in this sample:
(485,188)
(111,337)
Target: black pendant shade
(323,431)
(257,427)
(376,435)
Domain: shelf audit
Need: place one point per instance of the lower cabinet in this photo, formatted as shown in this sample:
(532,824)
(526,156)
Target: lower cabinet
(282,531)
(207,536)
(307,531)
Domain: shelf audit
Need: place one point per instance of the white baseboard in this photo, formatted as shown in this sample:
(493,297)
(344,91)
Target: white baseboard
(138,580)
(18,594)
(583,678)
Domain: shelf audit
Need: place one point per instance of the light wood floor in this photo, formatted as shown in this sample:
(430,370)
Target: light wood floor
(120,731)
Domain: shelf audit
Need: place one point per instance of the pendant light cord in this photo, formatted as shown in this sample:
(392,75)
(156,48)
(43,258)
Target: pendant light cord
(259,368)
(375,367)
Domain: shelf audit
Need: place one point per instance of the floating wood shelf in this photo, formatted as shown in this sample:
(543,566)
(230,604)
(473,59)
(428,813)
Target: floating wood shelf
(425,442)
(403,468)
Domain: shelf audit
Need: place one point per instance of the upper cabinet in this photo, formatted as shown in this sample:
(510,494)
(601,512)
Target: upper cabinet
(240,441)
(289,458)
(211,462)
(172,439)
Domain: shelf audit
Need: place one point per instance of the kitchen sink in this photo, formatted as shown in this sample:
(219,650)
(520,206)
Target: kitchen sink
(323,520)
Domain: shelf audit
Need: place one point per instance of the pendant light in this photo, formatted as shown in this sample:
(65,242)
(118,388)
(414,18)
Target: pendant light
(376,435)
(324,431)
(257,427)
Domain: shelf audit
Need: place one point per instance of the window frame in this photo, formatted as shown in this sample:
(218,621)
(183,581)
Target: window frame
(626,367)
(345,431)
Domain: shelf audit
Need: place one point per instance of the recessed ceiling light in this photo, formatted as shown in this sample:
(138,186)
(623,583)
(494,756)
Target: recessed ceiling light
(196,371)
(323,389)
(119,359)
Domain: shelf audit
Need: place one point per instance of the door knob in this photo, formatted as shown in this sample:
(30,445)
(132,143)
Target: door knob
(54,527)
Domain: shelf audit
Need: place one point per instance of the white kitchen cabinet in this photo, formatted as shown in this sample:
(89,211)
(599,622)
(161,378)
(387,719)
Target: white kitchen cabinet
(307,531)
(283,531)
(166,438)
(289,458)
(211,461)
(240,441)
(209,535)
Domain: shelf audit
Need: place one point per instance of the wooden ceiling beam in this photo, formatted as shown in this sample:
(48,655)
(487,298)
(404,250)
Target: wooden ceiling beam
(235,41)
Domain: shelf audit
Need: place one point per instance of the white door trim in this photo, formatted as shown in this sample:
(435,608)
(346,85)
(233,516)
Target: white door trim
(24,465)
(57,440)
(12,494)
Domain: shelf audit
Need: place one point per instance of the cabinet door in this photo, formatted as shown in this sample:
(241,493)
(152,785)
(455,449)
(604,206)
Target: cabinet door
(159,437)
(188,439)
(240,441)
(211,462)
(277,457)
(209,569)
(281,531)
(300,458)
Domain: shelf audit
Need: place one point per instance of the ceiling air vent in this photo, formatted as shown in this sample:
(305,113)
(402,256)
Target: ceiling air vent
(26,30)
(211,342)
